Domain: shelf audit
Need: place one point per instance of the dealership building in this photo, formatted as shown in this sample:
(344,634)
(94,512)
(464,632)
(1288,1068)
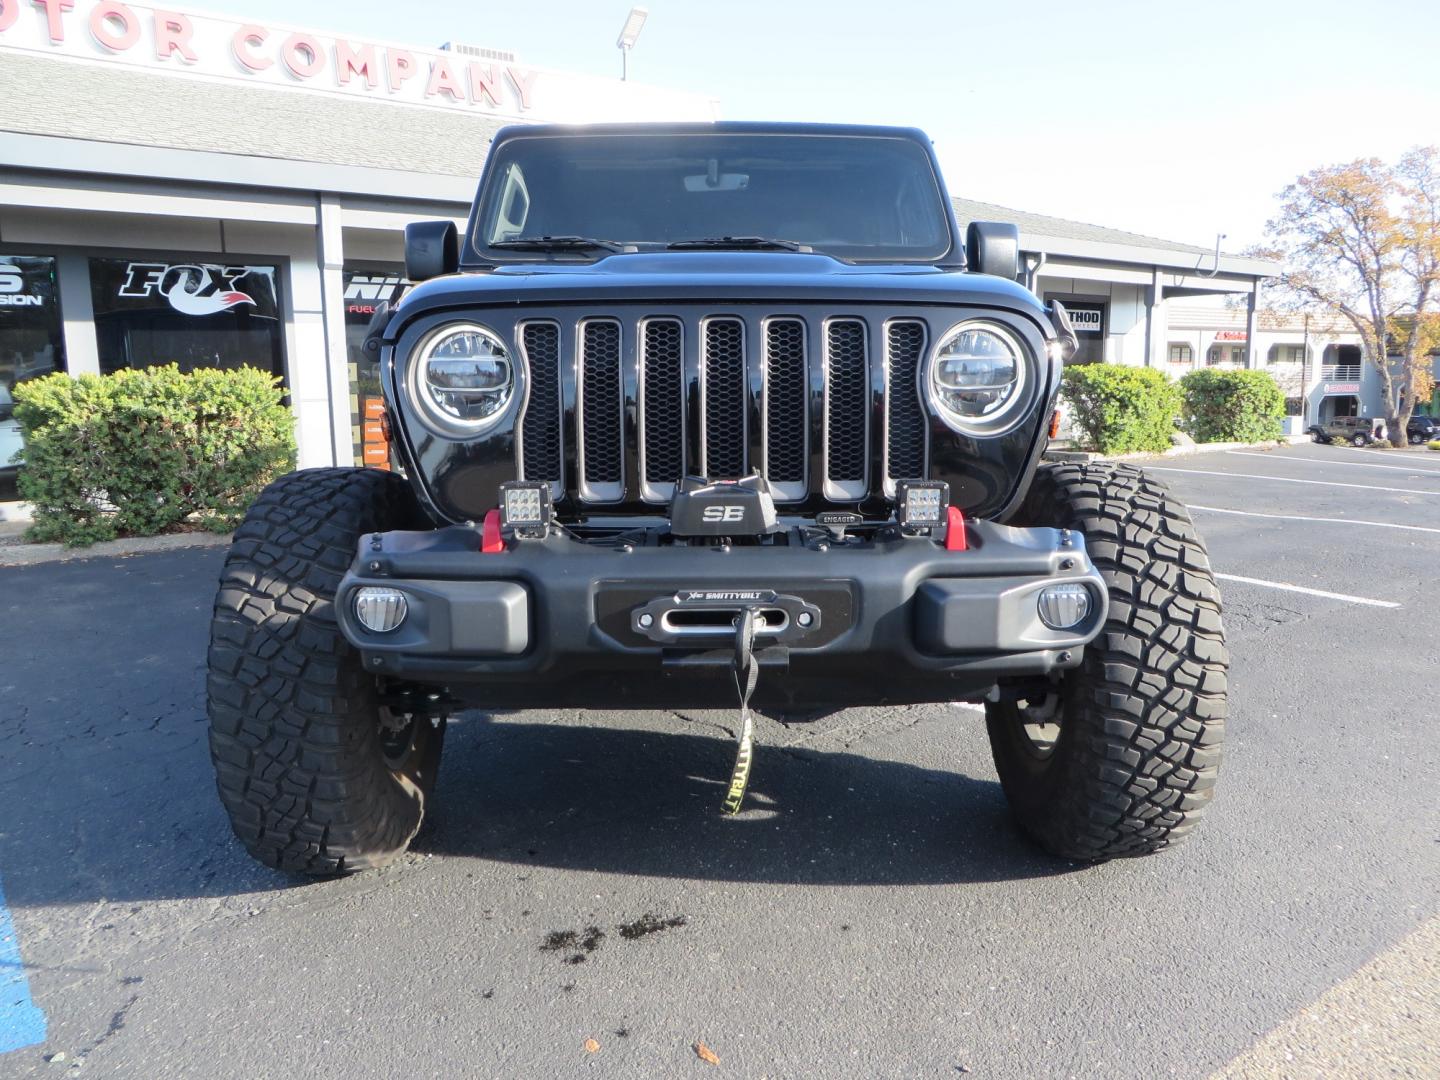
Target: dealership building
(192,188)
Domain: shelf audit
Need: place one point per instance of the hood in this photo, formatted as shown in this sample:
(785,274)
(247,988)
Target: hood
(706,276)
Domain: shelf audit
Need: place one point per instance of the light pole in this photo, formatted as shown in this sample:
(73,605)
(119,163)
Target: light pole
(626,41)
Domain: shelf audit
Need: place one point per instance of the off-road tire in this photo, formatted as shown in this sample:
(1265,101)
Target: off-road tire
(295,723)
(1142,719)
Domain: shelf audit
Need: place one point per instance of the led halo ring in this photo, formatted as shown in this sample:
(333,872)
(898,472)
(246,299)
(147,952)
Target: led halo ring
(1013,408)
(434,416)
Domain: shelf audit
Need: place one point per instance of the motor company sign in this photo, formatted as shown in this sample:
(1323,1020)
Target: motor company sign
(203,45)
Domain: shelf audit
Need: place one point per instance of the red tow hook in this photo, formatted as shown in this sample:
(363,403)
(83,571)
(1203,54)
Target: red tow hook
(490,541)
(954,529)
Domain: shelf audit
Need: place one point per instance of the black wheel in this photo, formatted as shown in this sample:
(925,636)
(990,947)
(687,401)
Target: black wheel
(1416,440)
(1358,440)
(1119,756)
(317,774)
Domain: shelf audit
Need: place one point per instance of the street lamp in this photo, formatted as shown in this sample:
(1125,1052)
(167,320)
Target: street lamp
(626,41)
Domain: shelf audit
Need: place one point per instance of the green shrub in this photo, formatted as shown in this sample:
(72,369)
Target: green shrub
(1434,444)
(1232,406)
(1122,409)
(143,451)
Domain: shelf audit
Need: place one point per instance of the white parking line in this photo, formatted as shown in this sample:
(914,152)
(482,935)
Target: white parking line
(1374,453)
(1308,591)
(1325,520)
(1352,464)
(1291,480)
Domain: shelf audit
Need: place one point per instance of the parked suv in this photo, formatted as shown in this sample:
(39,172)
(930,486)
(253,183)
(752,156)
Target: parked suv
(1421,429)
(1355,430)
(702,414)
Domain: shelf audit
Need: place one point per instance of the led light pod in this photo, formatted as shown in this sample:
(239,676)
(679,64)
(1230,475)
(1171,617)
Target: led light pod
(1064,607)
(380,609)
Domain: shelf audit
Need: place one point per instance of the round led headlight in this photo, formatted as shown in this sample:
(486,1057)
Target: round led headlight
(462,378)
(979,377)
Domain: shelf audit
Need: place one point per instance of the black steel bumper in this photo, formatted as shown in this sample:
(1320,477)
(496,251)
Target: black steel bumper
(562,623)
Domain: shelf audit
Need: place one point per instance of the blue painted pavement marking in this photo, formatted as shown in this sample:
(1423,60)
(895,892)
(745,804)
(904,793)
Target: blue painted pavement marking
(21,1021)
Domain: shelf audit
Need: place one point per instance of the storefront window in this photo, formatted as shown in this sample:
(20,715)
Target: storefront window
(1180,353)
(1088,321)
(365,289)
(31,343)
(152,312)
(1220,355)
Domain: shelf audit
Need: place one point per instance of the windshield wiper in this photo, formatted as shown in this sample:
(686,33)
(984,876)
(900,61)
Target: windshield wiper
(557,243)
(738,243)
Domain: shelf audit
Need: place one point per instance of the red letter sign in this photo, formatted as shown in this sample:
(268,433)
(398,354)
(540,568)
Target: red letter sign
(53,8)
(246,38)
(172,35)
(350,61)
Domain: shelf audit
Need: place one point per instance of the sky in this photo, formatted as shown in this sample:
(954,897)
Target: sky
(1180,121)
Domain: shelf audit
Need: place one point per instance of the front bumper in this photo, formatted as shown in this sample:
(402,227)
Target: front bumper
(559,622)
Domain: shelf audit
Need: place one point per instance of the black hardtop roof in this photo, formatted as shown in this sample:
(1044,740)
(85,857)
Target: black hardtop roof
(736,127)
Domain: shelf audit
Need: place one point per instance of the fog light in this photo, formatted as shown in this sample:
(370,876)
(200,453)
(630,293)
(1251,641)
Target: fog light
(921,504)
(1063,607)
(380,610)
(525,506)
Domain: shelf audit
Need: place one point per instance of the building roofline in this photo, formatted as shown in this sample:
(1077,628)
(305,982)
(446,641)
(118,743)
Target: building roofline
(1159,257)
(1084,240)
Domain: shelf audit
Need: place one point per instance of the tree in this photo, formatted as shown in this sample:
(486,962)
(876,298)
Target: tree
(1363,240)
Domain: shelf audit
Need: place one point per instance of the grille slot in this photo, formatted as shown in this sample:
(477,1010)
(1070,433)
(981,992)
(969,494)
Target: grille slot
(847,420)
(722,390)
(540,448)
(662,408)
(905,423)
(601,412)
(786,398)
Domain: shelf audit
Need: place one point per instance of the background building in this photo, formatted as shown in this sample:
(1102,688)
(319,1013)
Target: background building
(195,189)
(189,188)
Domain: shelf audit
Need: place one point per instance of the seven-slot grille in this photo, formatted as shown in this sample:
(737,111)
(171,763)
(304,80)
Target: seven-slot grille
(824,408)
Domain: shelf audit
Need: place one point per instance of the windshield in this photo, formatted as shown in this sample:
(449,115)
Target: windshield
(870,198)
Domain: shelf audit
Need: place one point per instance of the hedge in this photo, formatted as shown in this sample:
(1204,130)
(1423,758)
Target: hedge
(1232,406)
(144,451)
(1122,409)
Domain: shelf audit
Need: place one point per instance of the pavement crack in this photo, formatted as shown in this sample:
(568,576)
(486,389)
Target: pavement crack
(729,732)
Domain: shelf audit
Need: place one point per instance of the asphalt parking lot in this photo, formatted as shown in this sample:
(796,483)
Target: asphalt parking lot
(873,914)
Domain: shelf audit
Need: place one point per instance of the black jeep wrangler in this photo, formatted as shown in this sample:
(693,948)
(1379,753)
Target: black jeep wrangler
(696,414)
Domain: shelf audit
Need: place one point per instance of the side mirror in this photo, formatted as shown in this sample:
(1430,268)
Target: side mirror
(993,248)
(432,249)
(1064,330)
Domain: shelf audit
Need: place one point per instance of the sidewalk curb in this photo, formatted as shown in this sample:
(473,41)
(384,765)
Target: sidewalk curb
(1085,456)
(34,554)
